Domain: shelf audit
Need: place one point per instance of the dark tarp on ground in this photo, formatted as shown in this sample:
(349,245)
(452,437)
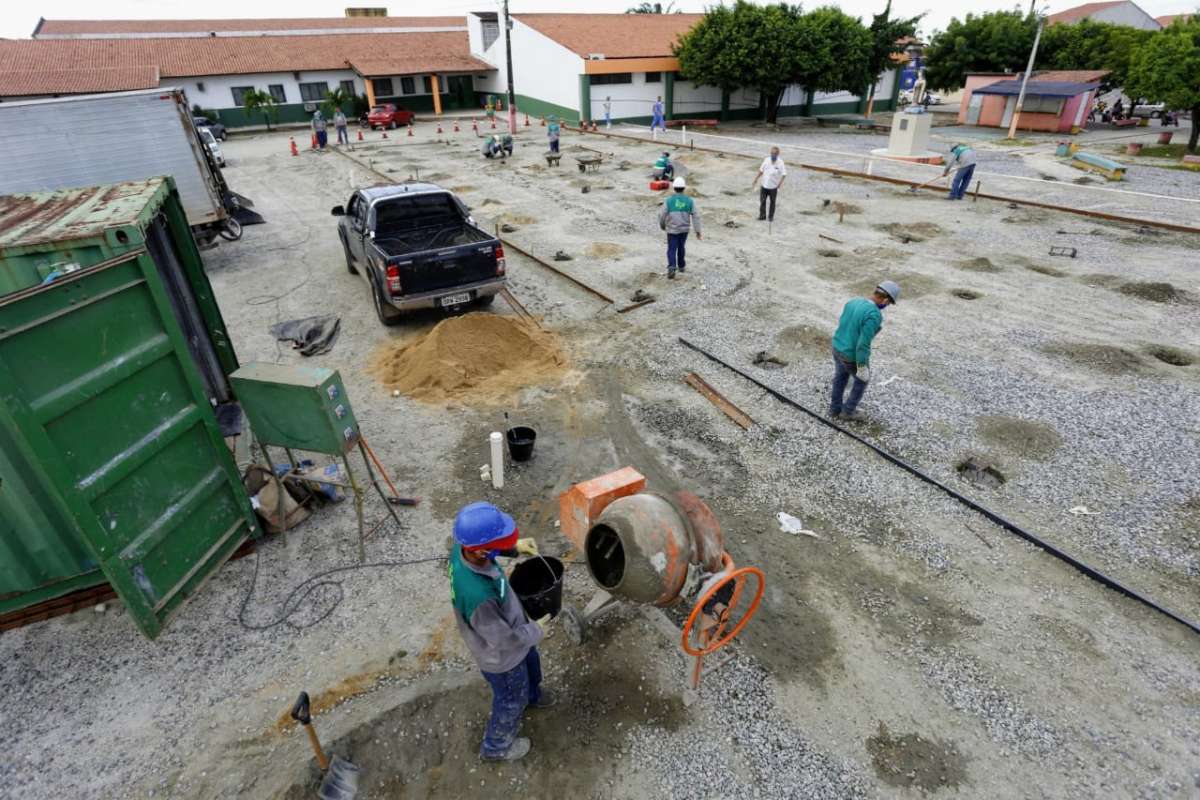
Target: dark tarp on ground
(312,336)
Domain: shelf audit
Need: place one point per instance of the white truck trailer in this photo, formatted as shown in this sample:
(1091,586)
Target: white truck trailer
(97,139)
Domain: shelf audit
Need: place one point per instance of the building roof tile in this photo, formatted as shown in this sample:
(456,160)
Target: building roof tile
(613,35)
(1080,12)
(166,27)
(28,83)
(64,64)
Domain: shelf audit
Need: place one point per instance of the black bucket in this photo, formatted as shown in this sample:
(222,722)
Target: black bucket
(538,582)
(520,443)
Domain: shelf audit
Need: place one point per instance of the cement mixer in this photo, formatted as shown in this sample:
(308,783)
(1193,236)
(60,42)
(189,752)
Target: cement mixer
(655,549)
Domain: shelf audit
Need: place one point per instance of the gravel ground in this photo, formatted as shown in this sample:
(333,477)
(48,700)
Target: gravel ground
(999,168)
(909,649)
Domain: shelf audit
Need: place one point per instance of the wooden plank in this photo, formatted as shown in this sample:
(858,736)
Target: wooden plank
(638,304)
(719,400)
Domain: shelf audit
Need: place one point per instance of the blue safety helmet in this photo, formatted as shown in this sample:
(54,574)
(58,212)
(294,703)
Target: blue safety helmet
(479,523)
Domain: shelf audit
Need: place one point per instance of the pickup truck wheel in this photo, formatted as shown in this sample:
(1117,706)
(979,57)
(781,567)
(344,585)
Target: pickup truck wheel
(485,301)
(387,315)
(353,270)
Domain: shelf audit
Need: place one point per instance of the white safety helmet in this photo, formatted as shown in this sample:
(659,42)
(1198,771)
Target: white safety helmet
(680,183)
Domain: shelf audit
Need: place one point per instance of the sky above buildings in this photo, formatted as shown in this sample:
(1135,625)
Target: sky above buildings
(17,19)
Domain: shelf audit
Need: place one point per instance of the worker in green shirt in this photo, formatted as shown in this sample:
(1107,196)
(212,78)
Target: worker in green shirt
(494,624)
(664,170)
(861,319)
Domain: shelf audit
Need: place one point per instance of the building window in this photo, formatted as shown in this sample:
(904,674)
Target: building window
(491,32)
(347,87)
(428,85)
(383,87)
(1042,104)
(277,92)
(200,85)
(408,85)
(653,77)
(239,94)
(616,77)
(313,92)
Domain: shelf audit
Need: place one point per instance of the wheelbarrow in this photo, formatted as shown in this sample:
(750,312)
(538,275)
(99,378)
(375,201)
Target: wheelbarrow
(590,162)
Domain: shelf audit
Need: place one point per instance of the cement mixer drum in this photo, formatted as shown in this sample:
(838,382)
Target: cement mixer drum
(639,549)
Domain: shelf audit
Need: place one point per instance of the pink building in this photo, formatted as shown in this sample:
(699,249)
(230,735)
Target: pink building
(1055,102)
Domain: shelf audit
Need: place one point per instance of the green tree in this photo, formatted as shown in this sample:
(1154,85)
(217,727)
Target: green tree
(338,98)
(1090,45)
(653,8)
(768,48)
(998,41)
(832,52)
(742,46)
(1167,69)
(885,33)
(256,100)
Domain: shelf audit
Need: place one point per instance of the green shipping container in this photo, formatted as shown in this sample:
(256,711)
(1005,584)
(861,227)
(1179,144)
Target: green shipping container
(113,357)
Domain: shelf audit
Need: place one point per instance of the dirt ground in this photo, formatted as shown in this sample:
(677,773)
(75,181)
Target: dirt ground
(909,649)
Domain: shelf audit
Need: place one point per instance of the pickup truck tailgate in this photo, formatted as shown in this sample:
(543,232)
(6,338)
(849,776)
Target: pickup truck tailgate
(447,268)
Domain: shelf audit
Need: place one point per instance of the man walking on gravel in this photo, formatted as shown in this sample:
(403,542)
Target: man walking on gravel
(494,625)
(962,159)
(658,119)
(773,174)
(677,216)
(861,319)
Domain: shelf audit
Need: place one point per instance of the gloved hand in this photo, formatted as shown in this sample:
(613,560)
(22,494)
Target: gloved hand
(527,547)
(544,624)
(863,374)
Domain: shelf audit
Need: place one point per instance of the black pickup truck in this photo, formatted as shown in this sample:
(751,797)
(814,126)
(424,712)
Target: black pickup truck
(418,247)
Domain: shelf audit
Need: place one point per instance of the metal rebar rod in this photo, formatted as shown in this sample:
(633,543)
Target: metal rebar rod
(987,513)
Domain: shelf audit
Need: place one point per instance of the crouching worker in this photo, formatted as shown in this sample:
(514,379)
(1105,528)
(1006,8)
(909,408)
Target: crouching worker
(491,147)
(664,170)
(494,625)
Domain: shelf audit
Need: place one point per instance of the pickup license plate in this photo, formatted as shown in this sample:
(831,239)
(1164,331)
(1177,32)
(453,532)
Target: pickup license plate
(456,299)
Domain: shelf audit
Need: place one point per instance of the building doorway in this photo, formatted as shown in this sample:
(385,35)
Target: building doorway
(460,92)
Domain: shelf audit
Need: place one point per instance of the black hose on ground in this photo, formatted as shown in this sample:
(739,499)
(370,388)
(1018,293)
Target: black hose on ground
(1011,527)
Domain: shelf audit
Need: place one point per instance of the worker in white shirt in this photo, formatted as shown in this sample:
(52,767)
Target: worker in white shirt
(773,174)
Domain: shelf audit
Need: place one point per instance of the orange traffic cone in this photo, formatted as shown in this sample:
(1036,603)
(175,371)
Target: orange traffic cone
(385,134)
(493,123)
(543,122)
(314,141)
(360,136)
(292,143)
(456,126)
(410,133)
(475,125)
(439,127)
(526,120)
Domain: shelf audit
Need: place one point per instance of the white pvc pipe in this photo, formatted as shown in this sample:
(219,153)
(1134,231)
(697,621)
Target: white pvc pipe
(682,135)
(497,442)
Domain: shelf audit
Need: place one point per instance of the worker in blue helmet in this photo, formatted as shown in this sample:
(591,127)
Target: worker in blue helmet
(494,626)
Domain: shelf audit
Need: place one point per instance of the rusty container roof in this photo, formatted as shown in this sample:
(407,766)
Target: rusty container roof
(72,214)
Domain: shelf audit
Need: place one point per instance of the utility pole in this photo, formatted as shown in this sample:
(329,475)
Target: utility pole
(1012,128)
(512,111)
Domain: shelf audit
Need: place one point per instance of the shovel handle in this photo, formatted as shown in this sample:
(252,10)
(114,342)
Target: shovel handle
(301,712)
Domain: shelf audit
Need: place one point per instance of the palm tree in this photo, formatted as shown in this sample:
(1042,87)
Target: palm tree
(255,100)
(338,98)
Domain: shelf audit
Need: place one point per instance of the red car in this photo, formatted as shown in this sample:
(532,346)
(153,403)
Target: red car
(389,115)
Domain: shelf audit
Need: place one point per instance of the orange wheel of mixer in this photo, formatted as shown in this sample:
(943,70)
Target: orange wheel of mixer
(719,638)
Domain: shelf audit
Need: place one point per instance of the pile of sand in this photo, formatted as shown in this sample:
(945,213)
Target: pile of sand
(475,358)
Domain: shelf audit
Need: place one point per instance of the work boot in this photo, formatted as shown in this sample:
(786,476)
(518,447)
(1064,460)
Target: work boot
(851,416)
(671,275)
(546,699)
(834,414)
(682,268)
(516,751)
(762,217)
